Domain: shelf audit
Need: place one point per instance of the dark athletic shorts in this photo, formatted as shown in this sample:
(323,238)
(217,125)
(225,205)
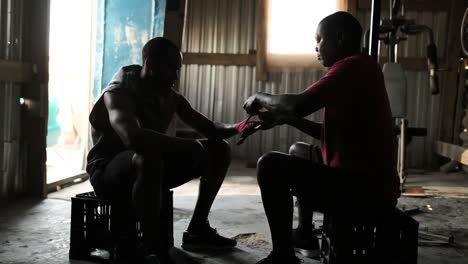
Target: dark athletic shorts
(326,188)
(115,180)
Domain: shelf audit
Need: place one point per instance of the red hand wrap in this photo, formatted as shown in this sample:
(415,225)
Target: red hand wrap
(245,125)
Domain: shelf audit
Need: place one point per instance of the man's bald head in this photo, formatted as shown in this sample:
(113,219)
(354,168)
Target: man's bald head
(343,28)
(162,61)
(159,47)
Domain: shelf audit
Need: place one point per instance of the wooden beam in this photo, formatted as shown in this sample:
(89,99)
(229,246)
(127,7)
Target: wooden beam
(15,71)
(411,63)
(451,151)
(220,59)
(262,16)
(413,5)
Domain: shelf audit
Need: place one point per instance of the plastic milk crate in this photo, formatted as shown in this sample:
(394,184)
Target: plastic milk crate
(91,221)
(390,237)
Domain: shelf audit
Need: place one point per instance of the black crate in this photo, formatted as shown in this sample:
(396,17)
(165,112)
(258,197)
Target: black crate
(91,220)
(388,237)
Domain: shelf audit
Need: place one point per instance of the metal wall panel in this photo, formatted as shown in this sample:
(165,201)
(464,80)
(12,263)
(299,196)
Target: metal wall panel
(11,171)
(224,26)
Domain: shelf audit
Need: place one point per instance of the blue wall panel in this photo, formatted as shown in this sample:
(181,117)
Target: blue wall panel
(124,26)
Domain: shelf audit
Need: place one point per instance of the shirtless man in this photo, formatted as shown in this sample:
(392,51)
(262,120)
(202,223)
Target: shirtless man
(356,135)
(134,158)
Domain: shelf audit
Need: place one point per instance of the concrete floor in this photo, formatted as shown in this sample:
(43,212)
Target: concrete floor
(37,231)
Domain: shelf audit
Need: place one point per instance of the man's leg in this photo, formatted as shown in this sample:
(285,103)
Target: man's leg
(219,154)
(123,182)
(182,169)
(280,175)
(305,211)
(304,237)
(147,191)
(272,173)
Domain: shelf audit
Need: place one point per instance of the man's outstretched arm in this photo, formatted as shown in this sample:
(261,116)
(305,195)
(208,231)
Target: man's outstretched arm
(311,128)
(270,120)
(329,90)
(299,105)
(201,123)
(125,123)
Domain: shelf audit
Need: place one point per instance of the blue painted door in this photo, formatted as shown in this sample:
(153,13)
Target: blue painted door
(124,26)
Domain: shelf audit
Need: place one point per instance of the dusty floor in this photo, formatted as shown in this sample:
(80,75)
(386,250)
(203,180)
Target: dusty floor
(33,231)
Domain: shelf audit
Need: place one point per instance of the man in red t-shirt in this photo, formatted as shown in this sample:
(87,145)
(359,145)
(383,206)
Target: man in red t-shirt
(357,142)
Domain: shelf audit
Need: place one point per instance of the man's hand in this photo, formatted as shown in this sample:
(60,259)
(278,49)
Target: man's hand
(246,125)
(251,105)
(246,128)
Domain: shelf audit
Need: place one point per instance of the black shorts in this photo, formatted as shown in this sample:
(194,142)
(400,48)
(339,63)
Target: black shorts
(327,188)
(116,178)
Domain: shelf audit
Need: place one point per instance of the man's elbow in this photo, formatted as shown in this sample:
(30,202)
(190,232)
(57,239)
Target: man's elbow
(131,139)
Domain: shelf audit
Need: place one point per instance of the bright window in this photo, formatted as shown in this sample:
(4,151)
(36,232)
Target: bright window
(292,25)
(290,30)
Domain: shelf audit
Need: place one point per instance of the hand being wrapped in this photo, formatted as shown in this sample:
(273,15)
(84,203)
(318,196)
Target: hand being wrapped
(246,128)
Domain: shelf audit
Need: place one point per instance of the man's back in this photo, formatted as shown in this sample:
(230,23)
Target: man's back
(357,130)
(155,113)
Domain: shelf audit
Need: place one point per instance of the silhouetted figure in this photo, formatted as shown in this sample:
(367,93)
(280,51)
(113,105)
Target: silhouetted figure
(134,157)
(357,143)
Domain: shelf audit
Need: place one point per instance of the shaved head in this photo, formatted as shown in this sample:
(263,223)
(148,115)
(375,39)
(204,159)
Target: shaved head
(158,47)
(344,29)
(162,61)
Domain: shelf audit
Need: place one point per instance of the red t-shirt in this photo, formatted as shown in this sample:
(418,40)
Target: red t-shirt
(357,128)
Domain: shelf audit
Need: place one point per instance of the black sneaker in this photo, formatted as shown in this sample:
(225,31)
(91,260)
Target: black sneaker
(277,259)
(306,245)
(209,239)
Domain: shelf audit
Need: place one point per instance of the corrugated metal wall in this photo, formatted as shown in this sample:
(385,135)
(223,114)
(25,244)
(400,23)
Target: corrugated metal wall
(228,26)
(11,166)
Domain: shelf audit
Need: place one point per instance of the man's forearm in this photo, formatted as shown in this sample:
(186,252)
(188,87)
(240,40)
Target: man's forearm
(280,104)
(143,140)
(224,131)
(311,128)
(218,130)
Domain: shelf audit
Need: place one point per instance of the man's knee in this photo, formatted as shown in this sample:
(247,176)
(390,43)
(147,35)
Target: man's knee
(269,166)
(221,150)
(301,150)
(142,162)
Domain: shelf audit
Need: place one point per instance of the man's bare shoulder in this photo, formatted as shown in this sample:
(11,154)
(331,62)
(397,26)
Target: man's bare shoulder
(114,100)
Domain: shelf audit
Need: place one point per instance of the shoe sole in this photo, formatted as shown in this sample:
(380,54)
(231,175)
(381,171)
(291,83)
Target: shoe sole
(308,253)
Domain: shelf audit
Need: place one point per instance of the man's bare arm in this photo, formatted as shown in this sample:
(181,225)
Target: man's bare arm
(201,123)
(300,105)
(311,128)
(125,123)
(271,120)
